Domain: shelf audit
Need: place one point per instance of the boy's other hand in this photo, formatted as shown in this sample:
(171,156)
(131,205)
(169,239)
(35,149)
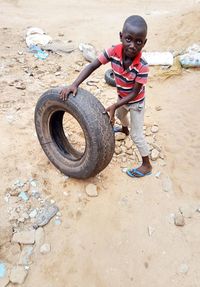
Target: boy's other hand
(111,110)
(66,91)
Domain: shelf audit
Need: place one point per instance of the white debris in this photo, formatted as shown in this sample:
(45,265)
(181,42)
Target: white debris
(91,190)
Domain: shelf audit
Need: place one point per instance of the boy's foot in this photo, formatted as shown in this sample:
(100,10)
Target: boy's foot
(118,129)
(140,171)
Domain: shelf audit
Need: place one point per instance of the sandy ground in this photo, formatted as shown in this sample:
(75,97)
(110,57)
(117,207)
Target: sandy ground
(104,241)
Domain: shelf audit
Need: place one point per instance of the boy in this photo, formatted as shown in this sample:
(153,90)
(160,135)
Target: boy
(130,72)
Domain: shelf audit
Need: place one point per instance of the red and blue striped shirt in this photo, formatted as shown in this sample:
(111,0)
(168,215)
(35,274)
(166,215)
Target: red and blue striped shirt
(126,79)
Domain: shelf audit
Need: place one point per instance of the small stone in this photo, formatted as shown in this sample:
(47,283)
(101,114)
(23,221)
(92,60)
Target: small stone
(154,129)
(45,248)
(25,255)
(129,151)
(20,85)
(188,210)
(120,136)
(157,175)
(158,108)
(167,184)
(179,220)
(183,268)
(18,275)
(128,144)
(33,213)
(24,237)
(118,150)
(91,190)
(154,154)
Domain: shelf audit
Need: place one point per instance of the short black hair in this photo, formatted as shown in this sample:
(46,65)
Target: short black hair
(136,20)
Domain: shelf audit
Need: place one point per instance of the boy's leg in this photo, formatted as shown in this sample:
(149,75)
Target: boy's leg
(121,114)
(137,135)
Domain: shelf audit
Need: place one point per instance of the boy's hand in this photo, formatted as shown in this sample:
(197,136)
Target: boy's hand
(111,110)
(66,91)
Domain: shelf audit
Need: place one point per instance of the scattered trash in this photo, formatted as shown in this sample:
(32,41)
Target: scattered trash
(158,58)
(157,175)
(190,60)
(45,215)
(38,52)
(124,169)
(24,196)
(89,51)
(37,38)
(151,230)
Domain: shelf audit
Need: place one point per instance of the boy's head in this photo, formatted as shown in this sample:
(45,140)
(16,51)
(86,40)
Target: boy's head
(133,36)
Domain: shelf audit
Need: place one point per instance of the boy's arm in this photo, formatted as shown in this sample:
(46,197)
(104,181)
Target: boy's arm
(82,76)
(111,109)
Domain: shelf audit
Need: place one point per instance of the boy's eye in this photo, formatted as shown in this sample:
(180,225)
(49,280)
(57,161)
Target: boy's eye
(138,42)
(128,40)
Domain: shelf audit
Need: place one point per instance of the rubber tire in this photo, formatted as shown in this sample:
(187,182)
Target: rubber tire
(109,78)
(99,136)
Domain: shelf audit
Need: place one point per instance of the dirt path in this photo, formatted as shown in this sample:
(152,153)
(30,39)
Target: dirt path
(126,235)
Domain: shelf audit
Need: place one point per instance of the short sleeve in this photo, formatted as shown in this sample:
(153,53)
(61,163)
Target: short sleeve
(105,57)
(142,74)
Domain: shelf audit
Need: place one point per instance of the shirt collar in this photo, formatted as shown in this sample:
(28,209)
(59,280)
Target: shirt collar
(118,50)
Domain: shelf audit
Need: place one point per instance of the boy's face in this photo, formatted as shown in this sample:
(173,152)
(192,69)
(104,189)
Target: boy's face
(133,39)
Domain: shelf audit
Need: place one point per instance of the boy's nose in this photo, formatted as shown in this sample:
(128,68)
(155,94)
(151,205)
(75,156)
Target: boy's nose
(132,45)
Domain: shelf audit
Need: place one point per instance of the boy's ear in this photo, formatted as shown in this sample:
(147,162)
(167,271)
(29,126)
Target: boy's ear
(120,36)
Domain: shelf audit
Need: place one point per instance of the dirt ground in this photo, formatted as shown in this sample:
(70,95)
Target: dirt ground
(125,236)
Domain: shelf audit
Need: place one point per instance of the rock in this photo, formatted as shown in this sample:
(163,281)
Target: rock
(183,268)
(129,151)
(128,144)
(154,129)
(24,237)
(33,213)
(150,140)
(91,190)
(167,184)
(120,136)
(18,275)
(39,236)
(45,248)
(118,150)
(188,210)
(25,255)
(148,131)
(179,220)
(154,154)
(158,108)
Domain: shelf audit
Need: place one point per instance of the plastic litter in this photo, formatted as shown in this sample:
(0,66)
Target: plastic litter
(89,51)
(158,58)
(38,39)
(190,60)
(2,270)
(24,196)
(34,30)
(38,52)
(45,215)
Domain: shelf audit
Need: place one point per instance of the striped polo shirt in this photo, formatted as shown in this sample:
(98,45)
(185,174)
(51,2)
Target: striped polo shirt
(126,79)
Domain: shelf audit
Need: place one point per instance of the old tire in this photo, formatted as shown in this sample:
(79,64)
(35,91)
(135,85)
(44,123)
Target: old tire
(88,112)
(109,78)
